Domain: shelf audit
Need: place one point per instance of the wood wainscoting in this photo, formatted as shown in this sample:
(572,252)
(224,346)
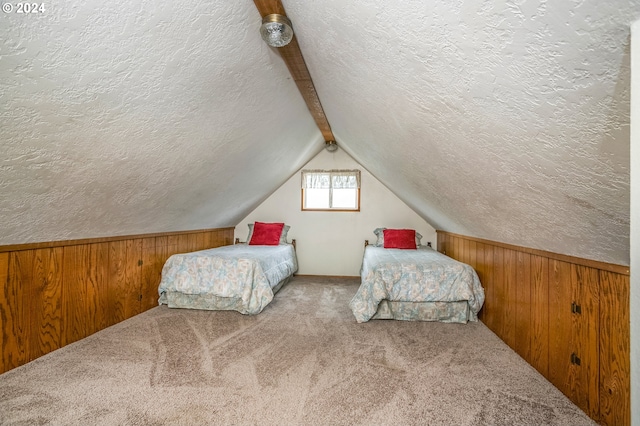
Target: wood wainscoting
(568,317)
(56,293)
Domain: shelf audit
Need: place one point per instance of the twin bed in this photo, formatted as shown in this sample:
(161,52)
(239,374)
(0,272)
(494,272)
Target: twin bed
(243,277)
(416,285)
(401,278)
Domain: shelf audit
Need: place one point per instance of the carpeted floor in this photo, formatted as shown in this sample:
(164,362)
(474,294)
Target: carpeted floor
(302,361)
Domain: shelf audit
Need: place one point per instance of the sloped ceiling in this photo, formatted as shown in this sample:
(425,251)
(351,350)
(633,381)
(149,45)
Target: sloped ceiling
(128,117)
(505,120)
(502,120)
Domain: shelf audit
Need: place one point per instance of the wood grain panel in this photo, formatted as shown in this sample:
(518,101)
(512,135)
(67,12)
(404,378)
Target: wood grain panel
(208,239)
(4,276)
(15,310)
(584,377)
(151,272)
(227,238)
(219,239)
(162,242)
(7,344)
(192,242)
(162,252)
(508,305)
(574,333)
(522,343)
(454,248)
(615,373)
(200,244)
(133,277)
(74,292)
(473,254)
(498,293)
(481,267)
(46,302)
(488,284)
(172,245)
(560,323)
(96,278)
(466,256)
(184,245)
(452,245)
(548,330)
(448,245)
(443,241)
(58,292)
(540,314)
(117,282)
(84,293)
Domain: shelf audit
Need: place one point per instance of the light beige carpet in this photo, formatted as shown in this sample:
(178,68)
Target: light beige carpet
(302,361)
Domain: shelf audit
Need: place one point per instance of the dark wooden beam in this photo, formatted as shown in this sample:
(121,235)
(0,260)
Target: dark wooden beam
(292,56)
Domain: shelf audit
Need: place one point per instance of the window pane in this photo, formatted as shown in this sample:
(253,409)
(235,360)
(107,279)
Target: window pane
(316,198)
(345,198)
(331,190)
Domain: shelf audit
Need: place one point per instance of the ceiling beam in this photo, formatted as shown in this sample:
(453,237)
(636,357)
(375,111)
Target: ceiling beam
(292,57)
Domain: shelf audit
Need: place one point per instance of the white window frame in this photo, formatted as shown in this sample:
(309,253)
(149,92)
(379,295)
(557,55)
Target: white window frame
(354,179)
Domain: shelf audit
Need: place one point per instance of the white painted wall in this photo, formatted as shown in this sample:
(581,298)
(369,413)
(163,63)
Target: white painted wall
(331,243)
(635,224)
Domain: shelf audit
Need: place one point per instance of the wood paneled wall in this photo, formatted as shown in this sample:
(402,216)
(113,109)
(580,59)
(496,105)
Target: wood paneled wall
(56,293)
(568,317)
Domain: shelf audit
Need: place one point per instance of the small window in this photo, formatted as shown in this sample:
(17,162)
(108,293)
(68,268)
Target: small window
(334,190)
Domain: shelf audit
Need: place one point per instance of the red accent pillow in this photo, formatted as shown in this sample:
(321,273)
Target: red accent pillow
(400,238)
(266,234)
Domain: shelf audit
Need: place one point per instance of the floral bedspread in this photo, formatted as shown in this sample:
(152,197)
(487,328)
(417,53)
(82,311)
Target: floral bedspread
(239,277)
(421,275)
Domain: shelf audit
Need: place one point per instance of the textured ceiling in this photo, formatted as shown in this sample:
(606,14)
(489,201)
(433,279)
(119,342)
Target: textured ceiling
(502,120)
(127,117)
